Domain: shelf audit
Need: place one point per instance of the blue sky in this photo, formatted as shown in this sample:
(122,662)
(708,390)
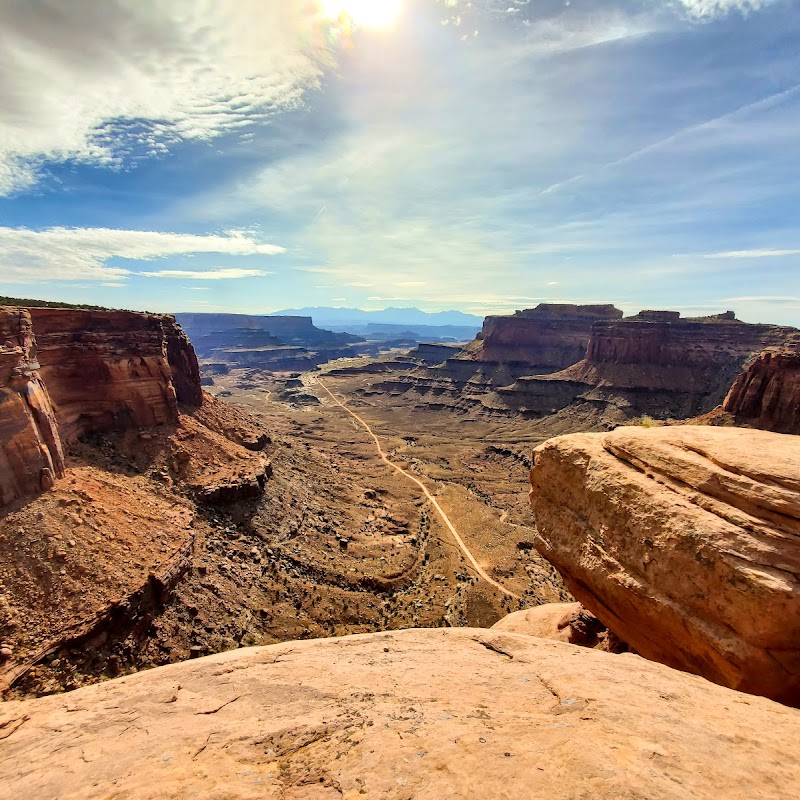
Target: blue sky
(252,155)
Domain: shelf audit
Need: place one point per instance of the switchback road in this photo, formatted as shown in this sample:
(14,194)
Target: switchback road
(445,519)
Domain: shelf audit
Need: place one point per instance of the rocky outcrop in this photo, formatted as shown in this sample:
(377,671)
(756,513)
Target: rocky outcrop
(234,487)
(545,339)
(767,393)
(422,714)
(31,455)
(66,372)
(563,622)
(183,364)
(684,541)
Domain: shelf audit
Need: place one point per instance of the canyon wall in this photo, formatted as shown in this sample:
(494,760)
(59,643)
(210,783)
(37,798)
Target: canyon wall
(183,364)
(653,363)
(547,338)
(282,344)
(665,341)
(30,454)
(535,341)
(202,324)
(65,372)
(767,393)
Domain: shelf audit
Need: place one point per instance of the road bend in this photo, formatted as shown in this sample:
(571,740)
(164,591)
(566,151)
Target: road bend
(439,510)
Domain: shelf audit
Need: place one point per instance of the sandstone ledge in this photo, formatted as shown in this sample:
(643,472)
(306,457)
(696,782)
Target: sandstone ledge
(685,541)
(455,713)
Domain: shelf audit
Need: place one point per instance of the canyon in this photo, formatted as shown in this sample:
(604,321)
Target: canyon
(146,523)
(584,367)
(173,528)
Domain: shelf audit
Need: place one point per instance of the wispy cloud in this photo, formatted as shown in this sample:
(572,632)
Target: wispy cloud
(71,254)
(754,254)
(709,126)
(229,273)
(705,9)
(107,82)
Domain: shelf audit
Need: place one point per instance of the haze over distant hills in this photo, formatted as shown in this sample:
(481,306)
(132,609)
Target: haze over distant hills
(325,316)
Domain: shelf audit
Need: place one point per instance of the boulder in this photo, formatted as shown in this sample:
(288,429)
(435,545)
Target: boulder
(562,622)
(427,714)
(684,541)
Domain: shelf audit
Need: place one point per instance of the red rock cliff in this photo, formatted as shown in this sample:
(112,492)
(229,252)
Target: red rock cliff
(30,448)
(549,337)
(659,351)
(64,372)
(183,364)
(665,340)
(110,369)
(767,393)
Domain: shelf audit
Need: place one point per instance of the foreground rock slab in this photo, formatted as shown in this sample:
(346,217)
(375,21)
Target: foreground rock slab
(685,541)
(439,713)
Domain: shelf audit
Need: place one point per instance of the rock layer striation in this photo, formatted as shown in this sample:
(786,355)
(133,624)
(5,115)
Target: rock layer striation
(684,541)
(547,338)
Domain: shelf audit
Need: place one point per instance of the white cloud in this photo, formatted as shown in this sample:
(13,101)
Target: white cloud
(105,82)
(705,9)
(230,273)
(754,254)
(70,254)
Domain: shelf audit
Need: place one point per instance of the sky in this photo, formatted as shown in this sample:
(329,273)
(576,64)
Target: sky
(479,155)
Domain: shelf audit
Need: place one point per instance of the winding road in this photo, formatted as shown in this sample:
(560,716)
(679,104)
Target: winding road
(445,519)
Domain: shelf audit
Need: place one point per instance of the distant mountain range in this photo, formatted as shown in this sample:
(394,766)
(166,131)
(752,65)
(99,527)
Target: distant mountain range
(325,317)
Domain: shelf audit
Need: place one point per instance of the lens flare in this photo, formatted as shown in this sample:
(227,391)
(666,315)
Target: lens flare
(364,13)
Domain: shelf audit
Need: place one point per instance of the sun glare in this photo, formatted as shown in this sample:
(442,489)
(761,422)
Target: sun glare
(364,13)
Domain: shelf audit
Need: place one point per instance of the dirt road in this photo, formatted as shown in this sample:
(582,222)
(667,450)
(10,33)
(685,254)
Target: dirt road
(445,519)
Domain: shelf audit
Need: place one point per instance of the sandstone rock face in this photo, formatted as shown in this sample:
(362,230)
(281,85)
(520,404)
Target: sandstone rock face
(183,364)
(30,454)
(428,714)
(65,372)
(105,369)
(684,541)
(767,393)
(546,338)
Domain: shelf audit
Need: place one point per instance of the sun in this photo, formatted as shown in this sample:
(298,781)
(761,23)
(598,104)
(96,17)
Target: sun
(364,13)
